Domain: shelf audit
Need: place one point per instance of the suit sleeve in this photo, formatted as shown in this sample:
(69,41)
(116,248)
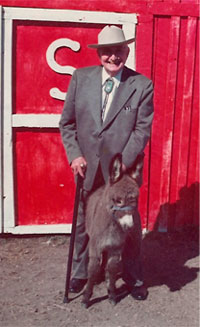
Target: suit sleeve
(67,123)
(142,129)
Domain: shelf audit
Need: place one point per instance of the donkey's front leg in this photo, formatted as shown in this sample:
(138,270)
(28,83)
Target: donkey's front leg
(93,271)
(112,270)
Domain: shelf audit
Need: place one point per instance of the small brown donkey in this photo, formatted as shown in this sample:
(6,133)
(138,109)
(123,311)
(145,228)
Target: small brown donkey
(109,218)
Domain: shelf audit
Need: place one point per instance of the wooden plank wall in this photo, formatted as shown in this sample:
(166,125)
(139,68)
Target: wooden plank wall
(173,182)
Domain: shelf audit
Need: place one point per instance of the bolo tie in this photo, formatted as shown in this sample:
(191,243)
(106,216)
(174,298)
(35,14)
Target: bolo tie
(108,89)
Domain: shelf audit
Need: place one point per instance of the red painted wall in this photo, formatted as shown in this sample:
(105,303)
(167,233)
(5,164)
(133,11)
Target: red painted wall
(167,50)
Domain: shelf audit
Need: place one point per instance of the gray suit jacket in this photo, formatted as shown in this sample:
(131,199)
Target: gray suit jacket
(125,130)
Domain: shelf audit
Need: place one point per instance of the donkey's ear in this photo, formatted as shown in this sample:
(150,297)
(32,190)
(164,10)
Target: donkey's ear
(115,168)
(136,170)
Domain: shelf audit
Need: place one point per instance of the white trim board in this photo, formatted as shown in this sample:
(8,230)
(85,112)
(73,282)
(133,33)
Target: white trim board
(39,229)
(78,16)
(36,120)
(8,215)
(1,125)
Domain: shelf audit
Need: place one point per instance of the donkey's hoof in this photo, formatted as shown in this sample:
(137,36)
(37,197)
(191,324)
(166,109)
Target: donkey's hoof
(113,301)
(85,304)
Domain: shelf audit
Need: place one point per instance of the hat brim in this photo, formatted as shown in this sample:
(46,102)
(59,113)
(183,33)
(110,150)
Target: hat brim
(97,46)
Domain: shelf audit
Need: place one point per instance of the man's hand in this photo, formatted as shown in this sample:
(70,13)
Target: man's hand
(79,165)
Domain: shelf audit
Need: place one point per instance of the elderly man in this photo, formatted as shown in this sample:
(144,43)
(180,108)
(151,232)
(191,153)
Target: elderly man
(108,110)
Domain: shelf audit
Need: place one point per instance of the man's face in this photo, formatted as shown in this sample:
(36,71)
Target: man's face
(113,58)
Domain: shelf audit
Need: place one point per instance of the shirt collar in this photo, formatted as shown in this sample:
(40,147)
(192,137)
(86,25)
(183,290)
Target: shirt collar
(116,78)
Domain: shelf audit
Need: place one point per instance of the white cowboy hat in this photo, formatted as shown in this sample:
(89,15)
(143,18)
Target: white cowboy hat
(110,36)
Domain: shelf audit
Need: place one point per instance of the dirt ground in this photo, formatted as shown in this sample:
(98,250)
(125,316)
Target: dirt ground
(32,281)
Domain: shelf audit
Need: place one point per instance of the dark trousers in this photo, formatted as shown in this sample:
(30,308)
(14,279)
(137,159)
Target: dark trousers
(131,258)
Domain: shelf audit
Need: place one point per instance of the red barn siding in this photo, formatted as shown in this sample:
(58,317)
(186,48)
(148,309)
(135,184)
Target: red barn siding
(175,66)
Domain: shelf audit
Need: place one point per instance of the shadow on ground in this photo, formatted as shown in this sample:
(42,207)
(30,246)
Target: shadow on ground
(166,258)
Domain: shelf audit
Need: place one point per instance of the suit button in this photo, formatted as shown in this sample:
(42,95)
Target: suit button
(97,155)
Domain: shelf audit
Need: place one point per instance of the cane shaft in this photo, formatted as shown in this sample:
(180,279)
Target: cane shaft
(72,238)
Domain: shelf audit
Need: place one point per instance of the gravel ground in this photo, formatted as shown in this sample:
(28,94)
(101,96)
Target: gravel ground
(32,280)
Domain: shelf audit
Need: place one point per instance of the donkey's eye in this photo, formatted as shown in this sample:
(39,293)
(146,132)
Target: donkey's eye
(119,200)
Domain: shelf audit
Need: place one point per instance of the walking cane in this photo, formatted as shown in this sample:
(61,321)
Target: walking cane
(72,238)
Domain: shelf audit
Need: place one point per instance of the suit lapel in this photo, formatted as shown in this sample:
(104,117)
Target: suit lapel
(124,91)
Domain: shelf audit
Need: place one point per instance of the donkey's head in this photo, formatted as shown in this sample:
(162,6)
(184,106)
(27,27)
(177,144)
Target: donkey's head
(122,191)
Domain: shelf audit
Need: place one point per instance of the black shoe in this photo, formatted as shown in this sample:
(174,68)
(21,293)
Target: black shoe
(76,285)
(139,293)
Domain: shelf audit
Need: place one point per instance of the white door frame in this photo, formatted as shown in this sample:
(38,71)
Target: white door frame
(10,120)
(1,125)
